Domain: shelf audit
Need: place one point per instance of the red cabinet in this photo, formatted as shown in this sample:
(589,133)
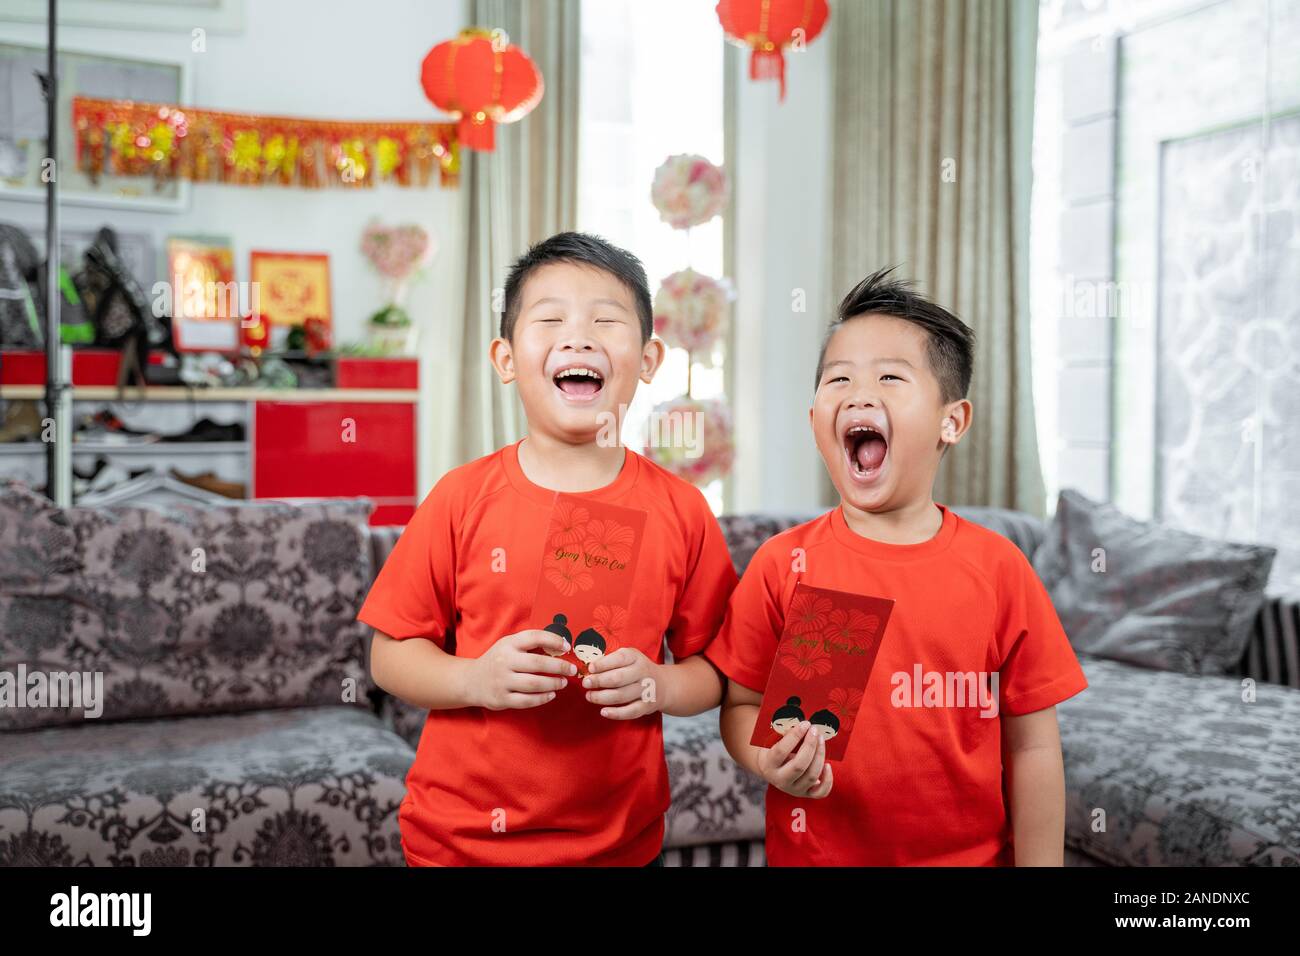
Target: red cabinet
(338,449)
(355,372)
(358,439)
(89,366)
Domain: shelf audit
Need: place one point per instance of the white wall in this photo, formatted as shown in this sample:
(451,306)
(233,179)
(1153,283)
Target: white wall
(782,184)
(303,57)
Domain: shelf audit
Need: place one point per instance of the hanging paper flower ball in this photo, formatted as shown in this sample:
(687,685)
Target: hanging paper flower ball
(688,190)
(481,78)
(692,438)
(690,310)
(768,27)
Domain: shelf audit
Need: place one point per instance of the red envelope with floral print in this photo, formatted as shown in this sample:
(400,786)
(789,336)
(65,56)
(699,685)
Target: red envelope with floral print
(588,566)
(822,665)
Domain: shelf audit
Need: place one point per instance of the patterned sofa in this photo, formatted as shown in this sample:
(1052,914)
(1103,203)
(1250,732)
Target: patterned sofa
(306,780)
(236,726)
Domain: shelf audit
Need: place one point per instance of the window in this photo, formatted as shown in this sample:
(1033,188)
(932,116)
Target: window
(652,86)
(1167,135)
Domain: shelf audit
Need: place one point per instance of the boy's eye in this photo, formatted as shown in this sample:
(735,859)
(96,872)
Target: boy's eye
(885,376)
(838,378)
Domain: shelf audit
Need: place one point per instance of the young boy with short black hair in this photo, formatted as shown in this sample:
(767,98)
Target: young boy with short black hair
(929,777)
(515,766)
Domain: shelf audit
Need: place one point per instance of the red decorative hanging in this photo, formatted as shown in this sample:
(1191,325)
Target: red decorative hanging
(255,333)
(767,27)
(167,142)
(481,79)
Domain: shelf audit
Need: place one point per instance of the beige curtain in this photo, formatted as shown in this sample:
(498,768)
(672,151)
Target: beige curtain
(933,120)
(519,194)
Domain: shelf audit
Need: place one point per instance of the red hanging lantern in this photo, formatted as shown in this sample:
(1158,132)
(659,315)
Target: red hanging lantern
(767,27)
(481,79)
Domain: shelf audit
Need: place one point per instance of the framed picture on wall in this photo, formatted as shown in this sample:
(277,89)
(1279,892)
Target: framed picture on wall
(205,297)
(289,288)
(81,73)
(184,16)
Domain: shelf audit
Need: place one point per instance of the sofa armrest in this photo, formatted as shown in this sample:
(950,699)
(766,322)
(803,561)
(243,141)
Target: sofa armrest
(382,539)
(1022,529)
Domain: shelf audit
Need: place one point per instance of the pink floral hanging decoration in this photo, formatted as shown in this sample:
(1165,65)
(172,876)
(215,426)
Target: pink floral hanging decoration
(695,436)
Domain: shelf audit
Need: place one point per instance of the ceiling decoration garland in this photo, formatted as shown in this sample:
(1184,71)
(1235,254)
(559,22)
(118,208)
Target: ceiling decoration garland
(166,142)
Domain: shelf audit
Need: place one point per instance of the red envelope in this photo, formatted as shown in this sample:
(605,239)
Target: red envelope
(588,566)
(822,665)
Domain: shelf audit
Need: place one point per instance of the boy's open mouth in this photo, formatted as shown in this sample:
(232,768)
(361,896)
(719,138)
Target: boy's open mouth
(866,448)
(580,382)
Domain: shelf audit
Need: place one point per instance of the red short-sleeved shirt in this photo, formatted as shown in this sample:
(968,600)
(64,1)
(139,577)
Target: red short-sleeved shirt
(556,784)
(918,785)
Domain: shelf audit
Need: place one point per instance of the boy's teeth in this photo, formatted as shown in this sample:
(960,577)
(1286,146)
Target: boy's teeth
(579,381)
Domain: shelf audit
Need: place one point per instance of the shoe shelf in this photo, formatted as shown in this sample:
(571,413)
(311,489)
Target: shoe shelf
(178,393)
(159,448)
(357,440)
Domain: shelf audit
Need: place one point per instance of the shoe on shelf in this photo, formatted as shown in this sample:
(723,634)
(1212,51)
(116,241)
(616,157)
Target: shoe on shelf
(111,422)
(205,429)
(22,422)
(100,462)
(106,477)
(106,428)
(208,481)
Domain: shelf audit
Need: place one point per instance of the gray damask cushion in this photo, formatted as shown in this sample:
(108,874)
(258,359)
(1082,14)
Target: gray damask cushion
(1166,599)
(1023,530)
(190,609)
(745,532)
(714,800)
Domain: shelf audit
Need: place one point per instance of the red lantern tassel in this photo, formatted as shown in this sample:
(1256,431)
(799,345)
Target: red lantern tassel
(768,65)
(477,134)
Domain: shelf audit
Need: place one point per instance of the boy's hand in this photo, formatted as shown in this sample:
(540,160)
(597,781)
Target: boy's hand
(628,683)
(801,772)
(510,676)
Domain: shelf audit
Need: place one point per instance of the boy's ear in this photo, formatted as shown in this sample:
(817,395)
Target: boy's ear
(652,356)
(503,360)
(956,421)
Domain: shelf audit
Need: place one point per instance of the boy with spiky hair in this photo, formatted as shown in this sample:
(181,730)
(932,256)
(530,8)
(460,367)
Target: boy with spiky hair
(928,778)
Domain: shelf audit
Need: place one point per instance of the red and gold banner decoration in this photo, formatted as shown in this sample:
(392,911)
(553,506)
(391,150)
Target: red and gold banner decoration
(129,138)
(769,27)
(483,79)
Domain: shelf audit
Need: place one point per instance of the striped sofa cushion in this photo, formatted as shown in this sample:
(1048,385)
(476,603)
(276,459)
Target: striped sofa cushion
(736,853)
(1273,651)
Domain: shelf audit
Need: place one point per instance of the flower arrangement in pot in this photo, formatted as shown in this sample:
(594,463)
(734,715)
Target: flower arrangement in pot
(398,253)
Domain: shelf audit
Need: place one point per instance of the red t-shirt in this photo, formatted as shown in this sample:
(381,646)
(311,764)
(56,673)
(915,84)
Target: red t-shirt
(556,784)
(918,784)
